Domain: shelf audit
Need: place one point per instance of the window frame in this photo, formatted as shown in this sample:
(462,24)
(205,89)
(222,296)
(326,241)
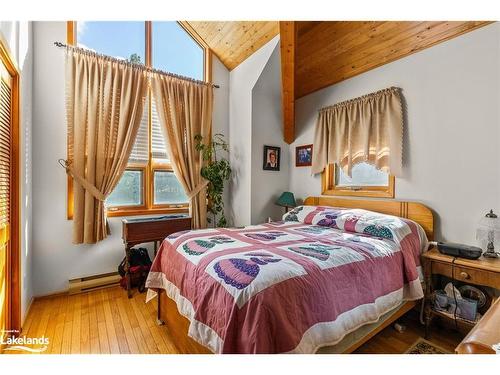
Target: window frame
(148,207)
(329,187)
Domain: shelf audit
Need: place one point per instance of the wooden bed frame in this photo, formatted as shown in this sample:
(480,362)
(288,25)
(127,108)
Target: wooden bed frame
(178,325)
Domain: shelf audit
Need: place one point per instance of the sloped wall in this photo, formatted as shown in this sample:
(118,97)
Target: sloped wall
(242,81)
(267,129)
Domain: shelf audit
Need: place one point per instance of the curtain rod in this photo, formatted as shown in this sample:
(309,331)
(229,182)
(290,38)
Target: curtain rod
(140,66)
(361,98)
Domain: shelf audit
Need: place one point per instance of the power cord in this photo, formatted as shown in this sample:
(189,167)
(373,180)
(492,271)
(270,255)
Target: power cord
(454,293)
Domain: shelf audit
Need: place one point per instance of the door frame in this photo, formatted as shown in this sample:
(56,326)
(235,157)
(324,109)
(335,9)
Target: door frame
(13,263)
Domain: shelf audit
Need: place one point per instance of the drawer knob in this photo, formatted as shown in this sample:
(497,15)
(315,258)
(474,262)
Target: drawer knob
(464,275)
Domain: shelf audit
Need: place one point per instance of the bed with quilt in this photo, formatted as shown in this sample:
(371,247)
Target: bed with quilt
(292,286)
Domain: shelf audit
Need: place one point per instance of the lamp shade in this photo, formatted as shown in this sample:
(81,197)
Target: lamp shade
(488,231)
(490,222)
(286,199)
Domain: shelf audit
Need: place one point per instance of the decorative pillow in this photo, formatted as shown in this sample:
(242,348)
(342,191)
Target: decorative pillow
(355,220)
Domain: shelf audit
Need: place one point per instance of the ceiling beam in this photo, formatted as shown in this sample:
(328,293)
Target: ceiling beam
(288,38)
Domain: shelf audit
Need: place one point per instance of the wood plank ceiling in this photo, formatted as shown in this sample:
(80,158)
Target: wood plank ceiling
(328,52)
(233,41)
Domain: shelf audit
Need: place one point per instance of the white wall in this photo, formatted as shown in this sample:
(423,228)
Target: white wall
(267,129)
(452,134)
(242,80)
(220,119)
(56,259)
(18,37)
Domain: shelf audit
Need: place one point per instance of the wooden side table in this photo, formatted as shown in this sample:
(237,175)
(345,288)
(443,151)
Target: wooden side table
(482,272)
(154,229)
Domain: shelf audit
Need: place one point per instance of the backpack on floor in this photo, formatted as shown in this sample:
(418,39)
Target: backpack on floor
(140,264)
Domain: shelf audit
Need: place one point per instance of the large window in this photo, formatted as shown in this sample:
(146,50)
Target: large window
(366,181)
(149,184)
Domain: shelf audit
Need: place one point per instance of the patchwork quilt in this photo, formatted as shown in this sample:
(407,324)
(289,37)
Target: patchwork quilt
(290,286)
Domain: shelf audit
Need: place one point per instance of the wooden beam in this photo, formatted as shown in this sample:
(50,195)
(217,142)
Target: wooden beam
(288,38)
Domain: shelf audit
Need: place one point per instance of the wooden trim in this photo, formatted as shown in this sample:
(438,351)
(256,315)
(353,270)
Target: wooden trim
(148,43)
(70,32)
(485,264)
(70,209)
(59,293)
(328,186)
(147,211)
(13,263)
(207,52)
(415,211)
(288,38)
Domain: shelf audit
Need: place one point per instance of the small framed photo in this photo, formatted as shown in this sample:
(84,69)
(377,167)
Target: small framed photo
(303,156)
(272,158)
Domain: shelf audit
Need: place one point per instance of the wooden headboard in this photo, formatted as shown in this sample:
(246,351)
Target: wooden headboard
(410,210)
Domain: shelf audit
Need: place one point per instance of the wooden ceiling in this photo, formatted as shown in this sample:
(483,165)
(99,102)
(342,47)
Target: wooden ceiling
(323,53)
(330,52)
(233,41)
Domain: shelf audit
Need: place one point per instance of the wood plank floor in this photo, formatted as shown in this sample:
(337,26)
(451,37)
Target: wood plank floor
(106,321)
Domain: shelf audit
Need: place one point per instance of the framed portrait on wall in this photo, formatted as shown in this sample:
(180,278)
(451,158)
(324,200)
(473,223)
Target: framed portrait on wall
(272,158)
(303,156)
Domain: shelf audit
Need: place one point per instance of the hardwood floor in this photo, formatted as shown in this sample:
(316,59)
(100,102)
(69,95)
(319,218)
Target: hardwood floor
(106,321)
(390,341)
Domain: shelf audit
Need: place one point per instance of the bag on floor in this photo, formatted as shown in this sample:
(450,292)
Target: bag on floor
(140,264)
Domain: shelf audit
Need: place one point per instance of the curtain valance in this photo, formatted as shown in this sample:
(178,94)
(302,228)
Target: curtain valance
(366,129)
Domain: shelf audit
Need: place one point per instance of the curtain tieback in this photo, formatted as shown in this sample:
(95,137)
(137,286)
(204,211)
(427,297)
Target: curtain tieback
(197,189)
(82,181)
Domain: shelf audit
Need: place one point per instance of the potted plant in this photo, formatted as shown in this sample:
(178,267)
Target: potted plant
(216,170)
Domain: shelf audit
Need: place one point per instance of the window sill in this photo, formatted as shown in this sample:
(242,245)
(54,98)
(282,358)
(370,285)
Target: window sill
(143,211)
(328,187)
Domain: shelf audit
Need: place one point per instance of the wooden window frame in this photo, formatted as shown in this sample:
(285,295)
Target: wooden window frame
(13,261)
(148,207)
(328,186)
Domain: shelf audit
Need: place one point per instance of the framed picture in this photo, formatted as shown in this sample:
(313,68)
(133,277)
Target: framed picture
(272,158)
(303,156)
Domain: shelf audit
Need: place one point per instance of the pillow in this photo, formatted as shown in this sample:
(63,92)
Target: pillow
(356,220)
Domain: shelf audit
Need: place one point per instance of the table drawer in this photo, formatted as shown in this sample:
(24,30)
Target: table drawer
(467,275)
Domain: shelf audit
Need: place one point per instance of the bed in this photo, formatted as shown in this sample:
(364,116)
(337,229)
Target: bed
(325,279)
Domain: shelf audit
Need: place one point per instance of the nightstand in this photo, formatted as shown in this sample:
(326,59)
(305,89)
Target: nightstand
(481,272)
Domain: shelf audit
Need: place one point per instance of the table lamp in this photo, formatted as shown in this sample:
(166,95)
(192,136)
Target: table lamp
(286,200)
(488,228)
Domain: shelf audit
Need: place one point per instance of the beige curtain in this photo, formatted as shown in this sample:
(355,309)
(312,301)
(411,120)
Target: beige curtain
(185,110)
(366,129)
(104,104)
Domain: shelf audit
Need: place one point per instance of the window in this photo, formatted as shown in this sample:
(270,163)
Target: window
(149,184)
(366,181)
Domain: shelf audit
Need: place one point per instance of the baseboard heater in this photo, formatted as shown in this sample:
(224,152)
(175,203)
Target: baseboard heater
(89,283)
